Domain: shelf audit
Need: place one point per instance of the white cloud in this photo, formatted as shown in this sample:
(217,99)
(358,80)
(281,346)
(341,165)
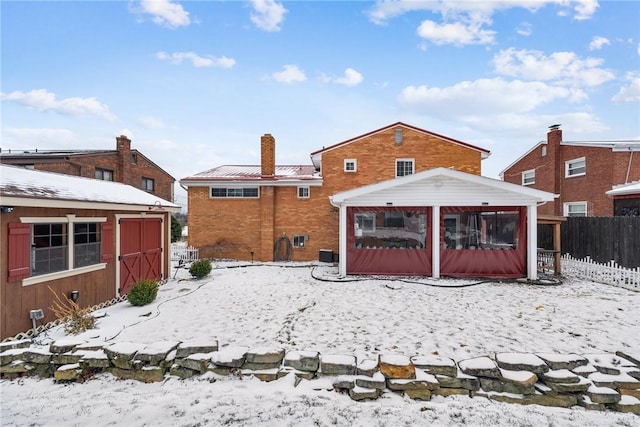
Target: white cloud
(457,33)
(598,42)
(150,122)
(267,14)
(484,97)
(197,60)
(560,67)
(43,100)
(164,13)
(290,74)
(585,9)
(351,78)
(630,92)
(524,29)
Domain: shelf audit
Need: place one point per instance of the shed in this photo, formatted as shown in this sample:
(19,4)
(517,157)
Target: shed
(440,222)
(62,233)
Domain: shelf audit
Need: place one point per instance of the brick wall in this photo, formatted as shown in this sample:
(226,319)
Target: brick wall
(237,226)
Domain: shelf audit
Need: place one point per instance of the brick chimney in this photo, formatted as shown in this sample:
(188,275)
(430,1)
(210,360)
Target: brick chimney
(268,155)
(554,138)
(123,144)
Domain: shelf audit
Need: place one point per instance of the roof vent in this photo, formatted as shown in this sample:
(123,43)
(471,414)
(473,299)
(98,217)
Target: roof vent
(554,127)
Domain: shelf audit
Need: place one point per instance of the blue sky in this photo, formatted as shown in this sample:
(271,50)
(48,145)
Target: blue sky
(195,84)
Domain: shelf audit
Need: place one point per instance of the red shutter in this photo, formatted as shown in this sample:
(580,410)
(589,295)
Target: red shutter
(107,242)
(19,247)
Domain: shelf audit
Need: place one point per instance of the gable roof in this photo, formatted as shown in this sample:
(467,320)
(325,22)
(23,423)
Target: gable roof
(317,154)
(24,187)
(442,187)
(252,174)
(625,189)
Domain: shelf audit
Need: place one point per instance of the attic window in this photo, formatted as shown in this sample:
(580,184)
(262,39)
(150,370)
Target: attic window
(134,159)
(398,136)
(404,167)
(350,165)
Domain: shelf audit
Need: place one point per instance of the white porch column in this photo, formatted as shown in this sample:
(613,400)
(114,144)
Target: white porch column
(435,241)
(532,242)
(342,242)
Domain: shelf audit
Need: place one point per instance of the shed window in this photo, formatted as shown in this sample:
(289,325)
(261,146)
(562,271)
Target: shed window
(86,244)
(234,192)
(404,167)
(576,167)
(49,248)
(529,177)
(350,165)
(303,192)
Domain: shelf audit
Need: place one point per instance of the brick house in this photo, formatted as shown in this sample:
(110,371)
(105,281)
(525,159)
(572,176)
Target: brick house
(581,173)
(299,212)
(120,165)
(75,236)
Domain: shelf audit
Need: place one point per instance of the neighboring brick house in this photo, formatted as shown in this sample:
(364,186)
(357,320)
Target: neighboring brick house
(580,173)
(120,165)
(298,212)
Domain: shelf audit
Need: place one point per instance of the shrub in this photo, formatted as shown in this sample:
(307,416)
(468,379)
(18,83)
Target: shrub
(143,292)
(200,268)
(75,319)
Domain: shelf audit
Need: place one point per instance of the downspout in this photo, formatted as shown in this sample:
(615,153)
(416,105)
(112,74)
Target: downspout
(342,237)
(626,180)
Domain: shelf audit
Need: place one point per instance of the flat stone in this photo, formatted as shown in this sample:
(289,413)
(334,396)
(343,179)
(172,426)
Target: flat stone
(562,361)
(344,383)
(197,362)
(156,352)
(182,372)
(17,367)
(462,381)
(587,403)
(446,392)
(560,376)
(501,386)
(561,401)
(579,387)
(376,381)
(367,367)
(628,404)
(123,374)
(419,394)
(66,358)
(123,350)
(480,367)
(523,378)
(265,355)
(608,363)
(423,381)
(193,347)
(11,355)
(614,381)
(302,360)
(36,355)
(307,375)
(396,366)
(69,372)
(438,365)
(266,375)
(64,345)
(229,357)
(336,364)
(521,362)
(602,394)
(122,363)
(584,371)
(94,359)
(149,374)
(634,358)
(630,392)
(13,344)
(362,393)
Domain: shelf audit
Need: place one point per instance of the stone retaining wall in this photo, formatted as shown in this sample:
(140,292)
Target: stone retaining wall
(593,381)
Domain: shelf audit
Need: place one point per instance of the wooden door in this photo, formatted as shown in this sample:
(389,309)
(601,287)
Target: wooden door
(140,251)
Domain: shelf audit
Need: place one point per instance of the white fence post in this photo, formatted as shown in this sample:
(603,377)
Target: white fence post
(610,273)
(181,252)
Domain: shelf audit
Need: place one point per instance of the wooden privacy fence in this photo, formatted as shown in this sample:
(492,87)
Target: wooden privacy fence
(181,252)
(609,273)
(601,238)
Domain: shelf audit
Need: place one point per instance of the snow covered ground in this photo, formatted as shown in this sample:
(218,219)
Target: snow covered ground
(283,305)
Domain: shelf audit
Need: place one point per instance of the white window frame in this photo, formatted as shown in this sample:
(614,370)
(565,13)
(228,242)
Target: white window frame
(529,177)
(232,197)
(566,207)
(70,219)
(413,166)
(569,167)
(303,192)
(350,161)
(299,241)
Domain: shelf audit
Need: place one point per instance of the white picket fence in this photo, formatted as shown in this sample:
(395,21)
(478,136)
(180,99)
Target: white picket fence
(180,251)
(610,273)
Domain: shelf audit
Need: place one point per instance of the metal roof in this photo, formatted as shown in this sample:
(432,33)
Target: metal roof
(254,172)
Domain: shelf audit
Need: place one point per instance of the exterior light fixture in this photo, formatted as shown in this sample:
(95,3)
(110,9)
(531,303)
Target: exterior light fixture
(35,315)
(74,295)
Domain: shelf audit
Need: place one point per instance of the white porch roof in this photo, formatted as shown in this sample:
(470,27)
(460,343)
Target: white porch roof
(442,187)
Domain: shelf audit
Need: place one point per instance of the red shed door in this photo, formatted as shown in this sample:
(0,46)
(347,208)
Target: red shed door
(140,251)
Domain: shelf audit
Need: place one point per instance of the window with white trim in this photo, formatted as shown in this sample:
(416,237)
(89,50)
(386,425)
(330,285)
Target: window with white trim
(299,241)
(529,177)
(350,165)
(575,167)
(49,248)
(404,167)
(303,192)
(575,209)
(235,192)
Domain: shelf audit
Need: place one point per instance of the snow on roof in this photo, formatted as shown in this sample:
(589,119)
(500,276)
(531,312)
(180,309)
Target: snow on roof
(20,183)
(254,172)
(624,189)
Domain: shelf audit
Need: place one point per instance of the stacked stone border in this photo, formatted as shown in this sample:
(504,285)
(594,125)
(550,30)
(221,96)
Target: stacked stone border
(602,381)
